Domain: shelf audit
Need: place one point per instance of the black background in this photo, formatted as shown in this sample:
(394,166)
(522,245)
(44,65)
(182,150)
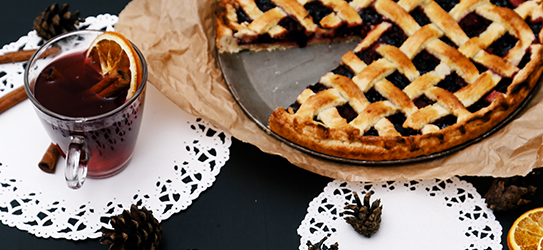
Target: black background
(257,201)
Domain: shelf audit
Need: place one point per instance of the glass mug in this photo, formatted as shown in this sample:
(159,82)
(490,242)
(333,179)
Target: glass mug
(96,146)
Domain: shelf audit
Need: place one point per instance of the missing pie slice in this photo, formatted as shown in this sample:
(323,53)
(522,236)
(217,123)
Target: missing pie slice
(426,76)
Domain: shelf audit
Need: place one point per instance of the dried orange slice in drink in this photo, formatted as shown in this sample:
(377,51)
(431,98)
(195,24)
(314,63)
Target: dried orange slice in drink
(112,53)
(527,231)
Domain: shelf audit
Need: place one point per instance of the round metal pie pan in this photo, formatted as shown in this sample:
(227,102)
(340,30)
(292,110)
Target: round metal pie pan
(262,81)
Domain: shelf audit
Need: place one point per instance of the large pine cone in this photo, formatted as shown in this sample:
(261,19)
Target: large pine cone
(365,219)
(55,20)
(509,193)
(134,230)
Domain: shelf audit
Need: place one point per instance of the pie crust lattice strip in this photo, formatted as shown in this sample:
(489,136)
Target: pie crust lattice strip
(426,76)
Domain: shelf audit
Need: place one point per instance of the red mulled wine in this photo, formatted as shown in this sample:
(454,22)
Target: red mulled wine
(63,87)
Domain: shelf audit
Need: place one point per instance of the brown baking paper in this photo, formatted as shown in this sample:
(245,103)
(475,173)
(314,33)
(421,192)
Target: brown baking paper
(177,40)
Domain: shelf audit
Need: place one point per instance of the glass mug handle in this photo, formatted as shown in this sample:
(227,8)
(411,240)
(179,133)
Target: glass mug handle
(77,158)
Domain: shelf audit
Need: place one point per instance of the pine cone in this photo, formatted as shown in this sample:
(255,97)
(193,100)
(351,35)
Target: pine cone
(508,193)
(365,219)
(320,245)
(134,230)
(55,20)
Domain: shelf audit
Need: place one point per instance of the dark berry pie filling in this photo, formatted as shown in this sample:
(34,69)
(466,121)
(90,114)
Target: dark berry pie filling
(501,46)
(345,31)
(535,26)
(398,79)
(425,62)
(503,84)
(448,41)
(419,16)
(296,32)
(347,112)
(525,59)
(481,68)
(264,5)
(500,88)
(371,132)
(370,17)
(473,24)
(446,121)
(398,120)
(511,4)
(317,87)
(344,71)
(482,103)
(294,107)
(265,38)
(393,36)
(369,54)
(242,16)
(452,83)
(373,96)
(423,101)
(447,5)
(317,11)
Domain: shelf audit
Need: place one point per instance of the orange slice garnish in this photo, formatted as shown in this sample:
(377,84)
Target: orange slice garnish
(112,52)
(527,231)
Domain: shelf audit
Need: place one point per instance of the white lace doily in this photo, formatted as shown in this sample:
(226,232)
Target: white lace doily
(428,214)
(177,157)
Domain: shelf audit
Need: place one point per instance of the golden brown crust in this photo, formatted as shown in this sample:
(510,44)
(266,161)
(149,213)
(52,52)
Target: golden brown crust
(318,125)
(233,37)
(225,40)
(344,12)
(398,15)
(445,22)
(347,140)
(267,21)
(372,148)
(400,60)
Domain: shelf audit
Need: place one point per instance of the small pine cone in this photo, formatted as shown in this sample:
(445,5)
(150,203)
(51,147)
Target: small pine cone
(134,230)
(320,245)
(365,219)
(55,20)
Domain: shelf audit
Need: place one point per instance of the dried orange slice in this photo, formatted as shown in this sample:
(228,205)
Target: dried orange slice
(527,231)
(112,52)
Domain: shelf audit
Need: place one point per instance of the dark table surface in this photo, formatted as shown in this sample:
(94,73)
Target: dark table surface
(257,201)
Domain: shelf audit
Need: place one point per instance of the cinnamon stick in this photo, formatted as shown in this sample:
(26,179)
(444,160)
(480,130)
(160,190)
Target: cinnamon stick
(112,84)
(49,161)
(17,56)
(12,98)
(25,55)
(19,94)
(53,75)
(103,83)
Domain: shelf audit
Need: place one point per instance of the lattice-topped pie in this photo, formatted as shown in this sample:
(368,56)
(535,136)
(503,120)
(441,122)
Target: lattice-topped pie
(426,76)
